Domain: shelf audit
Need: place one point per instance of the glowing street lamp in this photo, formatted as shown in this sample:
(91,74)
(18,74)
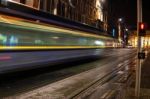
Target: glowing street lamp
(119,29)
(120,19)
(126,30)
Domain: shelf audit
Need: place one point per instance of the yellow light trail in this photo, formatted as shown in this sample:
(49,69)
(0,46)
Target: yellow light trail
(45,27)
(49,47)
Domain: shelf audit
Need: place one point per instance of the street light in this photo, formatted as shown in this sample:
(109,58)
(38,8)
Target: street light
(120,20)
(126,30)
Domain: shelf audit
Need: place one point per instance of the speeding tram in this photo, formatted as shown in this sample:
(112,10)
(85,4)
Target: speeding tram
(27,44)
(33,39)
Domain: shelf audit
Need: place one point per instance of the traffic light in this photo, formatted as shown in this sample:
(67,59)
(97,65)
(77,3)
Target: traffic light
(142,31)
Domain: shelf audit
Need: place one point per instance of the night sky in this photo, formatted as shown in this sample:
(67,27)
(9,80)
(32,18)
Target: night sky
(127,9)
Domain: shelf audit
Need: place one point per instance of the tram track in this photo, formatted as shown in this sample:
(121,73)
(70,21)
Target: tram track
(99,82)
(26,85)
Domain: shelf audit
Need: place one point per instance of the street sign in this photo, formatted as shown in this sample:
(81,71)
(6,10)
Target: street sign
(141,55)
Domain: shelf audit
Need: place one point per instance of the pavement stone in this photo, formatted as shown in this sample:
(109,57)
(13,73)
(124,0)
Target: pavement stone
(145,73)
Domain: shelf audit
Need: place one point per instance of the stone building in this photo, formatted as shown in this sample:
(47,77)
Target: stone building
(145,41)
(89,12)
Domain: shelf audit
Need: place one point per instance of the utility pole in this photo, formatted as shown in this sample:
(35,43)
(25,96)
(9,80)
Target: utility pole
(119,29)
(139,49)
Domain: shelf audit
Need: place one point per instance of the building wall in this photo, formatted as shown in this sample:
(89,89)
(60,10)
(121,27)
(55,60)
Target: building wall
(16,0)
(145,41)
(31,3)
(84,11)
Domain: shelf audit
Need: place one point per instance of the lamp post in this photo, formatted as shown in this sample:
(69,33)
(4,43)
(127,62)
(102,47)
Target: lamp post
(119,29)
(139,49)
(126,30)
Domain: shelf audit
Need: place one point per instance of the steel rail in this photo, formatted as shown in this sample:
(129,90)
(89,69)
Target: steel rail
(98,82)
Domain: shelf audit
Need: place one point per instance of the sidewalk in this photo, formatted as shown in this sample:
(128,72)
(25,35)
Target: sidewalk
(145,73)
(145,81)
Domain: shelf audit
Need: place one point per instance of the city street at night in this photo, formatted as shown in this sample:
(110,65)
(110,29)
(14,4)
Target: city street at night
(71,77)
(74,49)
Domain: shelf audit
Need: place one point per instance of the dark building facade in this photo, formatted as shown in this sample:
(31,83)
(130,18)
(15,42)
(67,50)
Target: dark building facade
(85,11)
